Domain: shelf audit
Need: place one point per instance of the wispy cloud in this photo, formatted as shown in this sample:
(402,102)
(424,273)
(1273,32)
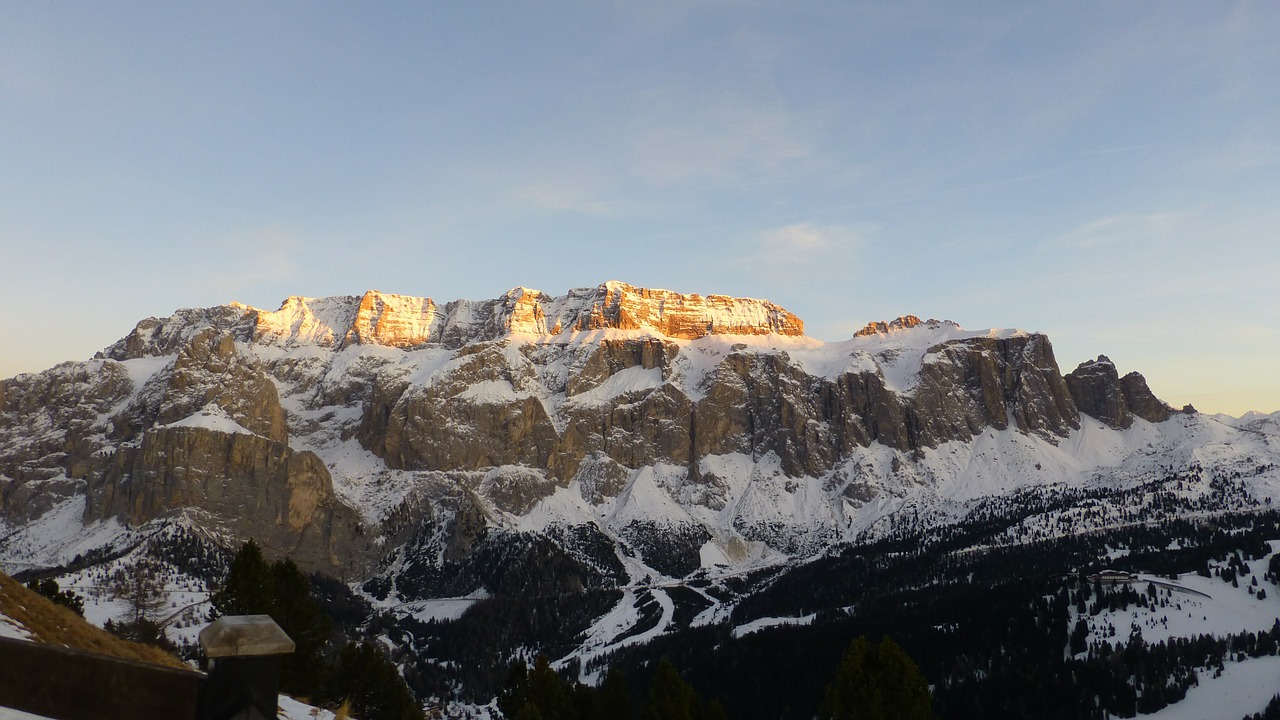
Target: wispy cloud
(729,140)
(1117,230)
(565,198)
(805,246)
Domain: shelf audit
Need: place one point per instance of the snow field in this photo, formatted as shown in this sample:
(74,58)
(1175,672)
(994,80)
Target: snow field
(1226,611)
(1243,688)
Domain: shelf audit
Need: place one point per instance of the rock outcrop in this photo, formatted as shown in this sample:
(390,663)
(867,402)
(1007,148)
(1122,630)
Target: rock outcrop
(158,337)
(905,322)
(1095,387)
(1100,393)
(488,407)
(50,434)
(392,320)
(1141,401)
(671,314)
(246,485)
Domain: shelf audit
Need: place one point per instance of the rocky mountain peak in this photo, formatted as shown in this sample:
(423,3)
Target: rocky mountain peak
(671,314)
(407,321)
(392,320)
(905,322)
(1100,393)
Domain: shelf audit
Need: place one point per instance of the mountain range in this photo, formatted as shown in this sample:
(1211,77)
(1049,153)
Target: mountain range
(622,439)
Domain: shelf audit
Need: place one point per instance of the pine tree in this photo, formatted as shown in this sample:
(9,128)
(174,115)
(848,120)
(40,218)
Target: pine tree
(248,588)
(853,694)
(537,693)
(49,588)
(280,590)
(515,691)
(670,697)
(614,698)
(296,612)
(877,683)
(365,678)
(549,692)
(1080,637)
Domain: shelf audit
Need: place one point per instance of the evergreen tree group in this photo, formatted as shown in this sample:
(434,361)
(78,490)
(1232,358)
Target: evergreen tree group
(321,668)
(48,587)
(541,693)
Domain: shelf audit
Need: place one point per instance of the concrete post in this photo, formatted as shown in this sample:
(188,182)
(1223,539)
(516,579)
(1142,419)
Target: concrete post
(242,658)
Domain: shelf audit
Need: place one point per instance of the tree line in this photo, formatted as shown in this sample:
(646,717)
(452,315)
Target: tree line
(872,682)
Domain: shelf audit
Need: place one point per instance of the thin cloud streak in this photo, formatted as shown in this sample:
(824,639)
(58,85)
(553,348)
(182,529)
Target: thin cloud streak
(728,140)
(804,250)
(1120,230)
(550,196)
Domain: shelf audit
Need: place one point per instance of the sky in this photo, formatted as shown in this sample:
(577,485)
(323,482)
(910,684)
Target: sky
(1107,173)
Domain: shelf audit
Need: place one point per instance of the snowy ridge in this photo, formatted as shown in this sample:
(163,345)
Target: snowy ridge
(306,321)
(410,321)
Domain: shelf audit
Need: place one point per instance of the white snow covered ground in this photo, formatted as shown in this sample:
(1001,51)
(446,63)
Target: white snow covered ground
(11,714)
(1243,688)
(1204,606)
(11,628)
(1213,608)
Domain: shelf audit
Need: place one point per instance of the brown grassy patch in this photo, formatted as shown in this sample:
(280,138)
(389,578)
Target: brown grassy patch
(55,625)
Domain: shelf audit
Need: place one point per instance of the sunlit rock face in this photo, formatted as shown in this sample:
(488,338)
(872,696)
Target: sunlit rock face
(392,320)
(670,314)
(906,322)
(404,321)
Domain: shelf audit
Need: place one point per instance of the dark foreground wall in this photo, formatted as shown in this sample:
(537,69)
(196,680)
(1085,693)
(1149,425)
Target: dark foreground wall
(75,685)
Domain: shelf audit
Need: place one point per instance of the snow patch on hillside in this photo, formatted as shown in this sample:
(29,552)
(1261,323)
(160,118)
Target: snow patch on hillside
(142,369)
(492,392)
(441,609)
(1244,688)
(562,507)
(56,537)
(10,628)
(628,380)
(212,417)
(645,500)
(769,622)
(364,482)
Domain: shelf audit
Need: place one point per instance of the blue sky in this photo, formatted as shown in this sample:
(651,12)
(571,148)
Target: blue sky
(1105,172)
